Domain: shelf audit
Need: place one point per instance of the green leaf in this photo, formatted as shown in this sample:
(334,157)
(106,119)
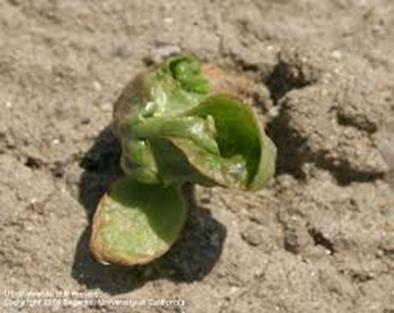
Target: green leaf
(218,142)
(187,70)
(167,89)
(137,161)
(136,223)
(174,165)
(197,129)
(266,167)
(247,155)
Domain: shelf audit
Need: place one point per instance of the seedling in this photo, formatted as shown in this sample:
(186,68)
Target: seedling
(174,129)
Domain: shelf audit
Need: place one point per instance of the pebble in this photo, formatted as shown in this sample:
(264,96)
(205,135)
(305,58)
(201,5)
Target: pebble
(97,86)
(85,120)
(386,149)
(106,107)
(168,20)
(336,54)
(162,51)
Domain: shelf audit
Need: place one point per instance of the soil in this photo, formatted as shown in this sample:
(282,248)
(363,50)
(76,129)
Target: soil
(320,238)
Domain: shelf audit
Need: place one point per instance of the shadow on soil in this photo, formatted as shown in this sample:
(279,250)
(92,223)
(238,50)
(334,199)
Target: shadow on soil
(190,259)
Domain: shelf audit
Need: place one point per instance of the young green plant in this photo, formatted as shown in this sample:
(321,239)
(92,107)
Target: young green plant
(175,128)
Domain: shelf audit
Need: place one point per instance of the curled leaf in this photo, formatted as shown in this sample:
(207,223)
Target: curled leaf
(248,154)
(215,139)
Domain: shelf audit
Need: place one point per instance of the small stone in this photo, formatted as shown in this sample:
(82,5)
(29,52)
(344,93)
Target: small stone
(252,235)
(97,86)
(58,169)
(168,20)
(162,51)
(336,54)
(106,107)
(85,120)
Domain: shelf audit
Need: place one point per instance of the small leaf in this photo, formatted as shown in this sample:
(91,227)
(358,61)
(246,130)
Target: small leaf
(187,70)
(136,223)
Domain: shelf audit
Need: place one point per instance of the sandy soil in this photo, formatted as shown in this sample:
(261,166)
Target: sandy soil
(319,239)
